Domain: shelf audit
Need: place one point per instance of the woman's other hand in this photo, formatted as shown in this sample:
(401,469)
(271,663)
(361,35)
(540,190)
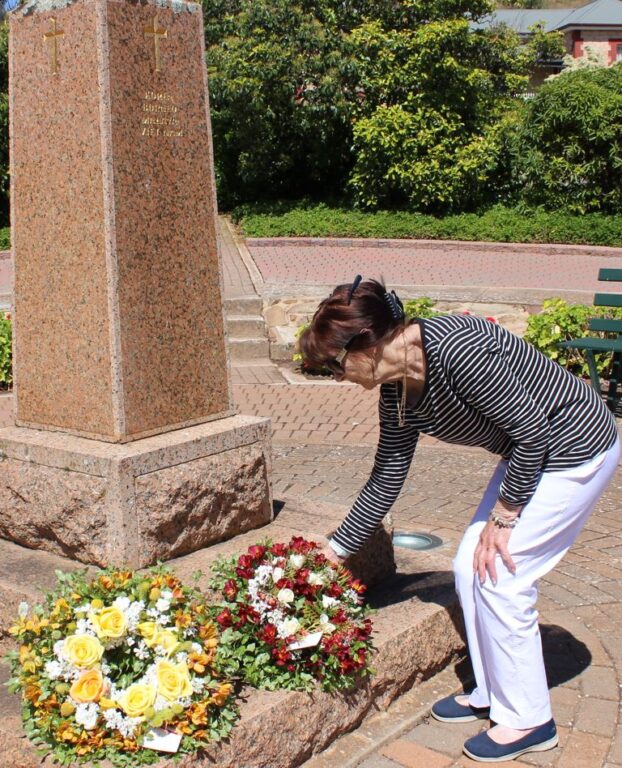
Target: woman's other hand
(493,541)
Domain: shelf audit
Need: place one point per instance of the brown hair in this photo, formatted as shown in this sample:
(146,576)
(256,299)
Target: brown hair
(337,322)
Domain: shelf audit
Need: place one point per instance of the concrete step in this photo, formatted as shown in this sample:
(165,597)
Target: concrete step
(246,326)
(249,349)
(243,305)
(416,634)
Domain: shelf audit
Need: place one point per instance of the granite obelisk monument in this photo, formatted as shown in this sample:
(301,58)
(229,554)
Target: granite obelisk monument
(126,448)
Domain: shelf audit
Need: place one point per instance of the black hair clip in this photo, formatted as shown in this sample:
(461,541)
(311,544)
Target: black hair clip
(395,305)
(354,286)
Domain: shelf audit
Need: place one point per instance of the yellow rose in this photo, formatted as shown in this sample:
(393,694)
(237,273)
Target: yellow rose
(167,640)
(109,622)
(149,630)
(173,680)
(137,698)
(83,651)
(88,687)
(105,703)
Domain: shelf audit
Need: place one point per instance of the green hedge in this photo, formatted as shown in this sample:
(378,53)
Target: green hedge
(5,238)
(6,364)
(498,224)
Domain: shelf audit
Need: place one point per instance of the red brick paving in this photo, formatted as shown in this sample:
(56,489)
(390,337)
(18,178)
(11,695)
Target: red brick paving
(432,263)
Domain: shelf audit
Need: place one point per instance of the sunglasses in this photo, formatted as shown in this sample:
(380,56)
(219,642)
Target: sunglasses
(335,364)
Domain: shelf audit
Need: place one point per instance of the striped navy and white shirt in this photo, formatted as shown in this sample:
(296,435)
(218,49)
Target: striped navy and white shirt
(484,387)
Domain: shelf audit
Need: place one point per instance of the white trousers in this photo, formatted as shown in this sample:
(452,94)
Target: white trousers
(501,621)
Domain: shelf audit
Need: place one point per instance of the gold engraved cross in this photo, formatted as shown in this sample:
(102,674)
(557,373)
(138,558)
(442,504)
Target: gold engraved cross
(50,37)
(156,32)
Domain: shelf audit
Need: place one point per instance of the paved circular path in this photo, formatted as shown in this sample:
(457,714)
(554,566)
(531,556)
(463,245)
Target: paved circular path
(330,262)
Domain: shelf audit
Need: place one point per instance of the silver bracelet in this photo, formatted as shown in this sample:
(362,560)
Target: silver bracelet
(502,522)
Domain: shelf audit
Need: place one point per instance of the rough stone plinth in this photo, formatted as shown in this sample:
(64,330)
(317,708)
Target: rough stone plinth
(119,323)
(417,632)
(139,502)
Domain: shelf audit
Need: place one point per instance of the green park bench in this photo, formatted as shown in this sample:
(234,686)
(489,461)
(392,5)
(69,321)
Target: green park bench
(590,346)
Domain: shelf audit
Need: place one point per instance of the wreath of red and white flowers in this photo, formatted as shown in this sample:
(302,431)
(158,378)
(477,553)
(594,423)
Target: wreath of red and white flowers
(291,618)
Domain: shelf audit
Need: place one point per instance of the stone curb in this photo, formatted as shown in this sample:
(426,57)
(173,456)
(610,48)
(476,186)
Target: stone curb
(381,728)
(530,297)
(447,245)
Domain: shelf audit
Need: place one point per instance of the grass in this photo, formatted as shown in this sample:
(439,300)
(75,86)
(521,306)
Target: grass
(498,224)
(5,238)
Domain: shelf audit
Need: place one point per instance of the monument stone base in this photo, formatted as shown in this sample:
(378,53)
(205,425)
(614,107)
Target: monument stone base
(134,504)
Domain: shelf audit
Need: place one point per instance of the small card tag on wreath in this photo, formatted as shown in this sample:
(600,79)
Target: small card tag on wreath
(307,642)
(162,740)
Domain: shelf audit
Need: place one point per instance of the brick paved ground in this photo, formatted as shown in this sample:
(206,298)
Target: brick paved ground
(303,261)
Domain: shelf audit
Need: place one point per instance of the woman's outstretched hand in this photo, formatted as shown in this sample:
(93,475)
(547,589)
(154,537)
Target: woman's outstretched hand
(328,552)
(493,541)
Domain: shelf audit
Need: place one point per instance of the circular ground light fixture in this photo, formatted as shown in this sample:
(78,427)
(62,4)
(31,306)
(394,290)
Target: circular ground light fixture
(416,540)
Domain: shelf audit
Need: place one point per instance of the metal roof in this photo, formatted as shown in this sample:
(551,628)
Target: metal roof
(601,13)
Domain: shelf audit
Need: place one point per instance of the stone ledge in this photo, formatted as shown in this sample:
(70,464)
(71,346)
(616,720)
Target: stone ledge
(417,633)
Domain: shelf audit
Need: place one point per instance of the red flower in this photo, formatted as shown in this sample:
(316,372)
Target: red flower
(301,546)
(245,573)
(340,617)
(285,584)
(334,590)
(257,551)
(245,561)
(491,319)
(224,618)
(281,656)
(358,586)
(268,634)
(280,550)
(247,614)
(230,590)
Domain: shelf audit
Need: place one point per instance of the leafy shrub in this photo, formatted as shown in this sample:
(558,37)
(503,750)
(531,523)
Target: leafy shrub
(497,224)
(422,307)
(567,148)
(559,321)
(6,358)
(5,238)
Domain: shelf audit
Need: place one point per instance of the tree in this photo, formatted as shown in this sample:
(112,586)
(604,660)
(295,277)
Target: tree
(280,108)
(567,144)
(392,101)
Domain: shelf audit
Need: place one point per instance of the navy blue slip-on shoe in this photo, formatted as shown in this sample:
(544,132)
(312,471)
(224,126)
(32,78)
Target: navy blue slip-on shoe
(449,711)
(485,750)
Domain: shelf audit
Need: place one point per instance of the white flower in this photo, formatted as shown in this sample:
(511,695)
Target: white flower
(83,608)
(325,626)
(198,684)
(167,594)
(297,560)
(163,605)
(354,597)
(141,651)
(288,627)
(277,574)
(84,627)
(122,602)
(328,602)
(86,715)
(22,610)
(59,647)
(53,669)
(316,580)
(285,596)
(197,647)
